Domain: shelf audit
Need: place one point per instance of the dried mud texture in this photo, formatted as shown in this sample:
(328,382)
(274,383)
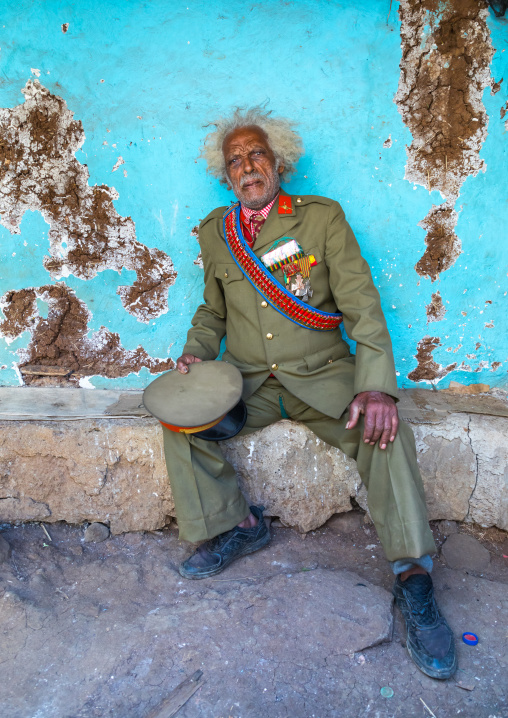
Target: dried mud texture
(445,67)
(38,171)
(429,370)
(62,340)
(435,309)
(443,245)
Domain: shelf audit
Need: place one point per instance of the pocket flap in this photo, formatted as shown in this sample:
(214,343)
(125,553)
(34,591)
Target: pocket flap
(228,272)
(327,356)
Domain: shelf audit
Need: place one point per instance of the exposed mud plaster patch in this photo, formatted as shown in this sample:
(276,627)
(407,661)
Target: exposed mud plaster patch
(65,27)
(35,71)
(38,171)
(61,339)
(443,245)
(388,143)
(495,86)
(504,110)
(445,67)
(429,370)
(435,309)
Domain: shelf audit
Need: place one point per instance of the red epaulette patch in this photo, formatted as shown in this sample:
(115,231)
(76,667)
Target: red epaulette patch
(285,206)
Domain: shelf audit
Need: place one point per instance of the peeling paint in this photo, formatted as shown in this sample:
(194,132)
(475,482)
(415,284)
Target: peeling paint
(61,339)
(445,67)
(38,171)
(443,245)
(428,370)
(436,309)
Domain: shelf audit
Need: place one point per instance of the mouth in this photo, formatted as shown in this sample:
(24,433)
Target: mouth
(251,183)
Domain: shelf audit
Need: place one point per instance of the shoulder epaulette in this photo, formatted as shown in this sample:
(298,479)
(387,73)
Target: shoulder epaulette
(299,200)
(214,214)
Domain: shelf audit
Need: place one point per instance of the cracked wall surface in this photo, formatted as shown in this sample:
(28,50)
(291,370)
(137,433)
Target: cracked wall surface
(101,188)
(38,171)
(445,68)
(62,339)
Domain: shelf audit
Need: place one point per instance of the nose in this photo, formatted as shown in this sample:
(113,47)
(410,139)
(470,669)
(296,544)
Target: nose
(247,165)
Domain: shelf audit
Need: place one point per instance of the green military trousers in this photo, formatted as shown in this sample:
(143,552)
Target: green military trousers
(209,502)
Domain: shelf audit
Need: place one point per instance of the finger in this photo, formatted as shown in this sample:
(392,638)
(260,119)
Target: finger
(379,427)
(383,441)
(182,363)
(395,427)
(354,415)
(370,427)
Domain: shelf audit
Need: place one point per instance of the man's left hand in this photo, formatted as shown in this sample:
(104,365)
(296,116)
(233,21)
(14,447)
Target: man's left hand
(381,417)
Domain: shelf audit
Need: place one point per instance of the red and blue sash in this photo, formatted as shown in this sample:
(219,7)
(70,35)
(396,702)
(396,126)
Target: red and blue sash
(267,285)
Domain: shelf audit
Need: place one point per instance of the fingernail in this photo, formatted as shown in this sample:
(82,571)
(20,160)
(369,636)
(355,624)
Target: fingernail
(383,446)
(347,425)
(366,441)
(392,438)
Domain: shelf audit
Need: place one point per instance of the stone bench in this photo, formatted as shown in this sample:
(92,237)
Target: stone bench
(79,455)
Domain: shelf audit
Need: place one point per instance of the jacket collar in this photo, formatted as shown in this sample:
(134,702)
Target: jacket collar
(276,225)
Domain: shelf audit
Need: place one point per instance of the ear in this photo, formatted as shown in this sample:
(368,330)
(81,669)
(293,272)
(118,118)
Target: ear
(280,169)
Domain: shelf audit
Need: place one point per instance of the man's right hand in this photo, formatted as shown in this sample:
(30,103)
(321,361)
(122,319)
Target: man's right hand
(183,362)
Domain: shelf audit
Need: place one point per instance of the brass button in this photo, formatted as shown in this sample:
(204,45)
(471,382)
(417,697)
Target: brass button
(275,367)
(298,199)
(264,304)
(330,361)
(226,274)
(269,335)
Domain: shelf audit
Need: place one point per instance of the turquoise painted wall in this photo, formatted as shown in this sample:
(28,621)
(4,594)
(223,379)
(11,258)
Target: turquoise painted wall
(145,78)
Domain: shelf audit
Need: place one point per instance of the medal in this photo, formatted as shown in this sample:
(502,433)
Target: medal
(295,265)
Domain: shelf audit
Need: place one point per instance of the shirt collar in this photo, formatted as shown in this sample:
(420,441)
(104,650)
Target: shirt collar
(247,212)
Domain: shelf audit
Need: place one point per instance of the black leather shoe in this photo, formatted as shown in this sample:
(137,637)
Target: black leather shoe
(429,639)
(217,553)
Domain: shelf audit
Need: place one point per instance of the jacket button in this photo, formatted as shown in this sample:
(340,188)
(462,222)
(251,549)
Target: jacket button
(269,335)
(299,199)
(226,274)
(275,367)
(264,304)
(330,361)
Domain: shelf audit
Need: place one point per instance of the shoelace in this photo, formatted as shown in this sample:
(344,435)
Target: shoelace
(420,599)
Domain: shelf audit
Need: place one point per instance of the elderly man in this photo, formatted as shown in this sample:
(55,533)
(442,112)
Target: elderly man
(280,271)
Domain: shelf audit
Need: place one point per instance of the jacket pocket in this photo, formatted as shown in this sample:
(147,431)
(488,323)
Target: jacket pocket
(326,356)
(228,272)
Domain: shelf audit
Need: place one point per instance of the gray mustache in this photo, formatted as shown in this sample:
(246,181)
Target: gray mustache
(249,178)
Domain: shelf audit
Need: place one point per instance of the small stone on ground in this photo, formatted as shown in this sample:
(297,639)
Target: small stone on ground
(96,532)
(345,523)
(462,551)
(447,528)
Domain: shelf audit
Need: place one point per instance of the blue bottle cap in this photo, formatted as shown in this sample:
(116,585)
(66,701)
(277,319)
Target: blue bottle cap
(470,638)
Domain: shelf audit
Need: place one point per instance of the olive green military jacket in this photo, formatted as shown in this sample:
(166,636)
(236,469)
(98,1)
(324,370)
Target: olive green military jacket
(315,366)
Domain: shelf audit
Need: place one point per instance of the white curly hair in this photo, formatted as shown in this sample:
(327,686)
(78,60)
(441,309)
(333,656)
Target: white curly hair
(286,144)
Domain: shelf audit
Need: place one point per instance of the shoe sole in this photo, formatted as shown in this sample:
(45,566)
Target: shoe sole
(214,571)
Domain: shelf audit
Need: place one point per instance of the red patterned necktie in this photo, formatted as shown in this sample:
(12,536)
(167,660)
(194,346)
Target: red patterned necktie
(256,222)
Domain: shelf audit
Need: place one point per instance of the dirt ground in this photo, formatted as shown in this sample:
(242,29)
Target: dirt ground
(110,629)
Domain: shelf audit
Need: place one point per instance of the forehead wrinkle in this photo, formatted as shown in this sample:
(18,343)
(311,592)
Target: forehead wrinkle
(245,148)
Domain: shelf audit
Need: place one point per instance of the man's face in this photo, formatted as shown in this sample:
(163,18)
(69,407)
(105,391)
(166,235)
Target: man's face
(251,167)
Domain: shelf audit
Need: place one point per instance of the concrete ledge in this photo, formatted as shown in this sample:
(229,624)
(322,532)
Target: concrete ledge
(68,456)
